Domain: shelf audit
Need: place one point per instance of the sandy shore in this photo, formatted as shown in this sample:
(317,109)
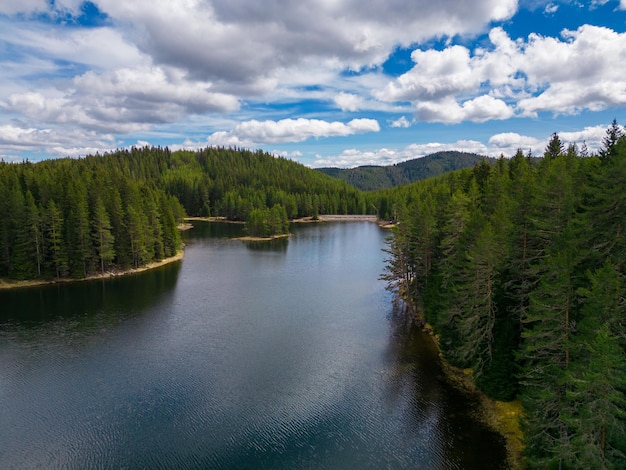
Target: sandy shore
(262,239)
(8,284)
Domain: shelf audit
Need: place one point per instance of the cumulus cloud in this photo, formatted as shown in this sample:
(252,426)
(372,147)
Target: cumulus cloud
(401,122)
(122,100)
(137,72)
(53,142)
(480,109)
(581,70)
(348,101)
(267,38)
(436,75)
(254,132)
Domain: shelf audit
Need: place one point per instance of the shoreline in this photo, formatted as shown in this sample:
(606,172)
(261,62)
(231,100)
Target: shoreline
(500,416)
(8,284)
(249,238)
(301,220)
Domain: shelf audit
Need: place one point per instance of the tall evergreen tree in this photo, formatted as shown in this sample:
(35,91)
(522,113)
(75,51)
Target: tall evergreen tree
(102,236)
(53,224)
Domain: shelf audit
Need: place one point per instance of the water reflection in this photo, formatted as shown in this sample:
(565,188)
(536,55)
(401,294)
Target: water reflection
(86,302)
(235,358)
(276,245)
(439,408)
(203,230)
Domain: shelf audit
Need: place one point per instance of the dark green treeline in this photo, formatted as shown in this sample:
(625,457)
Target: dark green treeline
(232,183)
(75,217)
(72,218)
(520,268)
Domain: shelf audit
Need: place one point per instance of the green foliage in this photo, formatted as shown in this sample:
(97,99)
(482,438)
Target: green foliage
(268,222)
(508,246)
(232,183)
(72,218)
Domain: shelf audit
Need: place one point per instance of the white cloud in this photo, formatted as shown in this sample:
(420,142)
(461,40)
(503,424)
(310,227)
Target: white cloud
(385,156)
(103,47)
(122,100)
(436,75)
(480,109)
(508,143)
(583,70)
(592,136)
(348,101)
(13,7)
(401,122)
(551,8)
(270,37)
(54,142)
(291,155)
(254,132)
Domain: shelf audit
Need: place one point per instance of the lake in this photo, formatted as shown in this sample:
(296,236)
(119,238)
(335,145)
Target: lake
(286,354)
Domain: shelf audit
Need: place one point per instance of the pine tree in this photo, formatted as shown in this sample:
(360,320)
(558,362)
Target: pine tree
(28,251)
(599,373)
(53,227)
(613,134)
(475,297)
(102,236)
(554,148)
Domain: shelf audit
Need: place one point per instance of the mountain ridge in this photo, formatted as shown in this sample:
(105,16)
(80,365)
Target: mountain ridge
(374,177)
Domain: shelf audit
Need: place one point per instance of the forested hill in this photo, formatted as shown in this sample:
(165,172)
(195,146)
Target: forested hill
(371,177)
(71,218)
(231,183)
(520,268)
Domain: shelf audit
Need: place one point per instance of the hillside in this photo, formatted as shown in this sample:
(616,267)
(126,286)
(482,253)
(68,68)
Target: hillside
(70,218)
(372,177)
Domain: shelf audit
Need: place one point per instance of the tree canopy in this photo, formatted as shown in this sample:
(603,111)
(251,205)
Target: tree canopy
(75,217)
(520,267)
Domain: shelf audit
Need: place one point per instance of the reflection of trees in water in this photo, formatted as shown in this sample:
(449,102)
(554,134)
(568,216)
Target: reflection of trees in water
(416,361)
(82,303)
(444,415)
(276,245)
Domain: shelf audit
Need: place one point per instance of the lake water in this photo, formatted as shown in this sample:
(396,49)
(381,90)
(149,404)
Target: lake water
(284,355)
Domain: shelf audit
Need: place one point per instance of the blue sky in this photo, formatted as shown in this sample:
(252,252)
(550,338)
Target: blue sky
(324,82)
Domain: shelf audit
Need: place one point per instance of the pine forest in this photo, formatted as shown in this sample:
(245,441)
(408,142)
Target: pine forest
(70,218)
(520,269)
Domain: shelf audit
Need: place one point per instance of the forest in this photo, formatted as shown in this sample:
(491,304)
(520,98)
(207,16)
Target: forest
(71,218)
(520,269)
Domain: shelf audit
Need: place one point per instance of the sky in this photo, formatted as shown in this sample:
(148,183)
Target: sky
(336,83)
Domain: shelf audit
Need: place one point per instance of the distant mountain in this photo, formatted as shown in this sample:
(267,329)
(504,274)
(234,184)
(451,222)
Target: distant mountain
(372,177)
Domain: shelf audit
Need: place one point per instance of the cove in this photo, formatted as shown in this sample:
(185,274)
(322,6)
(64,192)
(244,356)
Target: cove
(284,354)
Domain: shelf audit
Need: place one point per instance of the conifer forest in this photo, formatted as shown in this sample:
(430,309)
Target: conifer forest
(520,269)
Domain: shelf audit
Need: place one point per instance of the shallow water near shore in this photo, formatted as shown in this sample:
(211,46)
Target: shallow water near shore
(281,354)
